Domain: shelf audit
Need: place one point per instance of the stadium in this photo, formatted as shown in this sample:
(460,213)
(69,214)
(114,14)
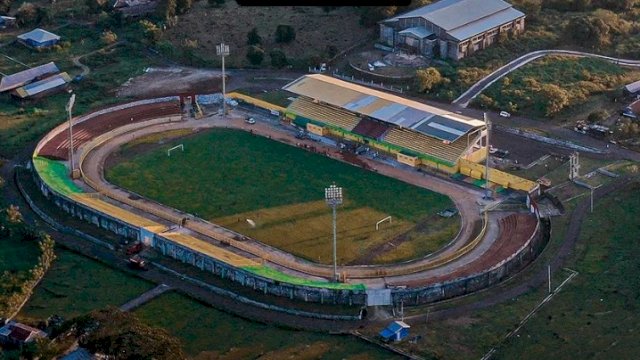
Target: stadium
(490,246)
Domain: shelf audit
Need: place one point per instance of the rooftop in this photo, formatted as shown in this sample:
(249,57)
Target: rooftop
(21,78)
(39,35)
(466,17)
(402,112)
(43,85)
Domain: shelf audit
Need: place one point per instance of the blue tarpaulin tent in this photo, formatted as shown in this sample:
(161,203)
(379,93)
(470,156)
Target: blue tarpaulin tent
(396,331)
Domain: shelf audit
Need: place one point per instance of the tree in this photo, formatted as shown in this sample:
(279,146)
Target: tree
(255,55)
(121,335)
(166,9)
(331,51)
(556,98)
(278,58)
(285,34)
(370,15)
(108,37)
(182,6)
(96,6)
(27,14)
(598,116)
(428,79)
(150,30)
(5,6)
(616,5)
(13,214)
(589,31)
(253,38)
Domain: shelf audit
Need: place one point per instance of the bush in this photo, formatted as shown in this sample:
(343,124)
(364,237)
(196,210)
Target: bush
(285,34)
(253,38)
(150,30)
(428,79)
(255,55)
(97,6)
(108,37)
(598,116)
(278,58)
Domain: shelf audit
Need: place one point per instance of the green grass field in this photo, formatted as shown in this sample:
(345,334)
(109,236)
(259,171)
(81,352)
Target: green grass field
(229,176)
(76,284)
(213,334)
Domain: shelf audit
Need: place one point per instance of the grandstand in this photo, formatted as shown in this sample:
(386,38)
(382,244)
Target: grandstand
(418,134)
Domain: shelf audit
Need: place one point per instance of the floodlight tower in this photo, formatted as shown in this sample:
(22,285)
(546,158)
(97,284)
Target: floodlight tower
(333,197)
(223,50)
(69,107)
(486,184)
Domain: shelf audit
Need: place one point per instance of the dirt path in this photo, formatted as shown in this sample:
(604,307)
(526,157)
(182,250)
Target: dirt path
(85,69)
(145,298)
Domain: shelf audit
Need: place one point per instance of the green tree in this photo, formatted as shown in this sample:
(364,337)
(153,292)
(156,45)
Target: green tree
(370,15)
(255,55)
(166,9)
(182,6)
(253,38)
(589,31)
(285,34)
(108,37)
(428,79)
(278,58)
(5,6)
(598,116)
(96,6)
(556,98)
(27,14)
(150,30)
(616,5)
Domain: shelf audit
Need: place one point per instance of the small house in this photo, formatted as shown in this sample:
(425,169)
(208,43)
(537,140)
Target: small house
(17,334)
(7,21)
(632,89)
(396,331)
(39,39)
(13,81)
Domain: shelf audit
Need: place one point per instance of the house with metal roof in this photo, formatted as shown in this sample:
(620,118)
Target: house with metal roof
(7,21)
(452,28)
(39,39)
(43,87)
(15,333)
(632,89)
(14,81)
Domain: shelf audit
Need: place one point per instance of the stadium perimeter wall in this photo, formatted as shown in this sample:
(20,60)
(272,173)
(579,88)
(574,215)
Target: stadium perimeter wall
(282,285)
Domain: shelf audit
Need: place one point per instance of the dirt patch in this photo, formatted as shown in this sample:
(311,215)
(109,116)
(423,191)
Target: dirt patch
(205,27)
(158,82)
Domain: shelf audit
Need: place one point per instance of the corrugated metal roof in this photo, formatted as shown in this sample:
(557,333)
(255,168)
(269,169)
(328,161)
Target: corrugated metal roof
(23,77)
(39,35)
(43,85)
(488,23)
(381,106)
(633,87)
(451,14)
(417,31)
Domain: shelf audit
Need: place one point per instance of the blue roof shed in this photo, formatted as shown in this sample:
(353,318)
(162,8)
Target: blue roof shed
(396,331)
(39,38)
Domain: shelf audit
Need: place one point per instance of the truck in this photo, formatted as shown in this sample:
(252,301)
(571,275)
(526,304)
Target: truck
(138,263)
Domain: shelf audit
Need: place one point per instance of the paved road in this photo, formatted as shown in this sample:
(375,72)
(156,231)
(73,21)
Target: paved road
(145,297)
(477,88)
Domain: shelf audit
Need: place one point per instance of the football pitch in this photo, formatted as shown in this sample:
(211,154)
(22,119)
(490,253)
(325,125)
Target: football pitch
(274,193)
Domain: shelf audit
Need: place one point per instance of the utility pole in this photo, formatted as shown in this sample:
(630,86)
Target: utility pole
(549,276)
(333,197)
(223,50)
(69,108)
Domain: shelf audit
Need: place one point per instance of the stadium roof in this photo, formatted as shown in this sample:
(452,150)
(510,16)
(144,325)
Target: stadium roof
(18,79)
(39,35)
(466,17)
(43,85)
(379,105)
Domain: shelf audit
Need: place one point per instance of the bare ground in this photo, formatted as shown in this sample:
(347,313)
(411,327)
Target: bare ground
(158,82)
(205,26)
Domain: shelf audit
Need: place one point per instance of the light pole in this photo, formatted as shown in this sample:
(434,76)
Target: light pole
(223,50)
(333,197)
(69,107)
(486,184)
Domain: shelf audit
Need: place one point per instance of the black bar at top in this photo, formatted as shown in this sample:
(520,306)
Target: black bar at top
(323,2)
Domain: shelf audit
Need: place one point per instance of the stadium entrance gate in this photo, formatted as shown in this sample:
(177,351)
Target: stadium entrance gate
(378,297)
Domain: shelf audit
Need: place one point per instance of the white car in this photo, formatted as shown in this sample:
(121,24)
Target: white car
(505,114)
(250,120)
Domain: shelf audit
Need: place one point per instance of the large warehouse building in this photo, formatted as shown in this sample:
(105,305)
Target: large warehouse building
(417,134)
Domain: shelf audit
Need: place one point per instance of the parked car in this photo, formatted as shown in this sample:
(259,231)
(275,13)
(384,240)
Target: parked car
(250,120)
(505,114)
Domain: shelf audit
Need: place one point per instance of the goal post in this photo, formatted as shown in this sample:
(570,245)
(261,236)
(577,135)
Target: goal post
(181,147)
(388,218)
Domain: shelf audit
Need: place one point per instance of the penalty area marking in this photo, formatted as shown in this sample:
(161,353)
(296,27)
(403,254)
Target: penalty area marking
(381,221)
(181,147)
